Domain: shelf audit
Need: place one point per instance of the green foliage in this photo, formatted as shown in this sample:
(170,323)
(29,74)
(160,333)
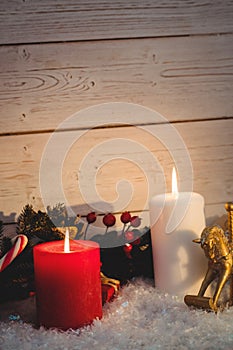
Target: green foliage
(37,224)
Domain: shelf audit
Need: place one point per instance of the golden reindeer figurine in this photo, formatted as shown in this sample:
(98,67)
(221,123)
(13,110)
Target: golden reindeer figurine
(219,251)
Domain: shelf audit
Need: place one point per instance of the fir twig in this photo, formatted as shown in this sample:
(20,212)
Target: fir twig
(39,224)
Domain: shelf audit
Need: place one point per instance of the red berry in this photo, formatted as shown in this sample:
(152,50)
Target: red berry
(129,236)
(135,221)
(125,217)
(109,220)
(91,217)
(127,248)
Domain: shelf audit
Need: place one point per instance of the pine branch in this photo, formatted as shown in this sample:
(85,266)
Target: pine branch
(25,222)
(39,224)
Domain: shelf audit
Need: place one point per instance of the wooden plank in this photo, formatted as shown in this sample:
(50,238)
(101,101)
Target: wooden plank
(86,165)
(216,214)
(56,20)
(184,78)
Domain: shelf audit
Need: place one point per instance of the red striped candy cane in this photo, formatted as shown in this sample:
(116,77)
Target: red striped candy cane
(19,243)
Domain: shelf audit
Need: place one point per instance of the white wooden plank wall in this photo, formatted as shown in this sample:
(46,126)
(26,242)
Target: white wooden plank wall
(59,57)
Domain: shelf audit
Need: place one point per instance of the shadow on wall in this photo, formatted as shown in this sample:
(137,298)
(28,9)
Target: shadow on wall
(81,210)
(8,219)
(60,216)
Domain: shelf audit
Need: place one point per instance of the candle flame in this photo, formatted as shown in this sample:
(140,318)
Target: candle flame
(67,242)
(174,182)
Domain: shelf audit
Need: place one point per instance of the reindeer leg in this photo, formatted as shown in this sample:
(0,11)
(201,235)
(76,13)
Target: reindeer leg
(223,277)
(200,301)
(211,274)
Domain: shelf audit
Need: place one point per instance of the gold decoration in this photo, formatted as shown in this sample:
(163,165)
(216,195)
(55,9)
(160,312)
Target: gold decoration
(110,282)
(229,209)
(219,251)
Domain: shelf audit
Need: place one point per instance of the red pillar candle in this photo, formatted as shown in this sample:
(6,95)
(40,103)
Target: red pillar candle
(68,286)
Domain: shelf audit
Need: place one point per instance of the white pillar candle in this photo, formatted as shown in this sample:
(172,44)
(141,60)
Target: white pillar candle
(179,264)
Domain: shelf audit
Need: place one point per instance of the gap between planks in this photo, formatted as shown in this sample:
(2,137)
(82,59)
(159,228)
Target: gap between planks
(31,43)
(112,126)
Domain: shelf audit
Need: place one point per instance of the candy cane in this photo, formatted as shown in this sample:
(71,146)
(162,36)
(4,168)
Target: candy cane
(19,243)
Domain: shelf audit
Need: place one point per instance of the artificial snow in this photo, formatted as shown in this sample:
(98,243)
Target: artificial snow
(141,317)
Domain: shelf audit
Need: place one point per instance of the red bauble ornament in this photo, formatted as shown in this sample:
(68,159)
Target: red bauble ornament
(91,217)
(125,217)
(135,221)
(127,249)
(109,220)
